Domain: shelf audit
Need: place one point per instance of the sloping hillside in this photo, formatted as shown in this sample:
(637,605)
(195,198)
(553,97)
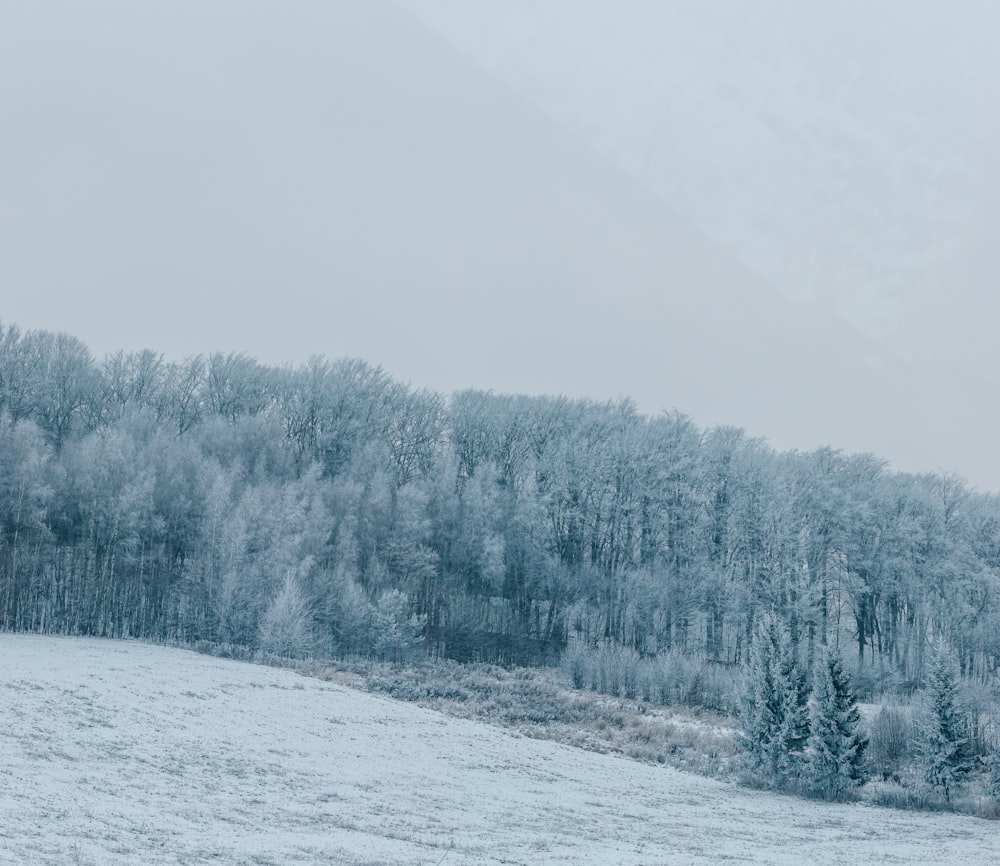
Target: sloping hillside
(121,753)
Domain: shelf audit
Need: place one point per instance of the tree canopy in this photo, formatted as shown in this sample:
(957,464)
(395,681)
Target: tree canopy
(219,499)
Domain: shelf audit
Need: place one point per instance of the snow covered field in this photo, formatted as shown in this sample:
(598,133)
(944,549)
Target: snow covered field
(123,753)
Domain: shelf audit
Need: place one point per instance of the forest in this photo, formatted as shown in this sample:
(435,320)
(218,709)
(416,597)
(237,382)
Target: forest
(328,509)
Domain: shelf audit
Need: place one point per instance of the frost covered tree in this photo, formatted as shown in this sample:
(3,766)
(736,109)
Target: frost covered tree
(168,500)
(286,627)
(943,746)
(774,717)
(396,632)
(835,747)
(993,779)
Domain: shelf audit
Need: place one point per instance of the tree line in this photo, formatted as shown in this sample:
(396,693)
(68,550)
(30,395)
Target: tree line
(328,508)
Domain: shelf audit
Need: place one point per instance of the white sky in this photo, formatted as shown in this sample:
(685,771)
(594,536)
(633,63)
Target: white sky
(332,178)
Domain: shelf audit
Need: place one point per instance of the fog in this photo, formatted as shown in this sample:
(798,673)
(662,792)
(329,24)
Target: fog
(441,195)
(846,151)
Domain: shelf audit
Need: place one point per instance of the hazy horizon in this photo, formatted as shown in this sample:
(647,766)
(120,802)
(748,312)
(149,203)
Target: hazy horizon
(337,179)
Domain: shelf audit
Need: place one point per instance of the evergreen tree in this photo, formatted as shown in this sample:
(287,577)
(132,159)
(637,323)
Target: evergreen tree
(944,747)
(795,727)
(836,747)
(774,720)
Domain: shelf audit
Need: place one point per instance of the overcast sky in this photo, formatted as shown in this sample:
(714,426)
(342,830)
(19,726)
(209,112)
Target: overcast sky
(336,178)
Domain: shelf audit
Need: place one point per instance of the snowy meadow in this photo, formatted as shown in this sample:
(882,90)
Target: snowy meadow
(117,752)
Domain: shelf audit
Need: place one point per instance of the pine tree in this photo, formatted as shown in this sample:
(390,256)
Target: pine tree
(836,747)
(774,720)
(944,747)
(758,714)
(795,725)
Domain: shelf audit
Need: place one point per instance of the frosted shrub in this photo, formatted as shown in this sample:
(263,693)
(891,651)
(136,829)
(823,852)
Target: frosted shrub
(981,729)
(993,778)
(713,687)
(680,679)
(660,678)
(647,684)
(629,661)
(889,739)
(671,678)
(608,672)
(618,671)
(578,663)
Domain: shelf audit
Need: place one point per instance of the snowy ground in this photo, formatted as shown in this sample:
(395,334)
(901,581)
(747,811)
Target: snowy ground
(122,753)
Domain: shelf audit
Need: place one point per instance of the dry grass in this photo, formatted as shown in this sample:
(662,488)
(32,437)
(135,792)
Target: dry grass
(538,703)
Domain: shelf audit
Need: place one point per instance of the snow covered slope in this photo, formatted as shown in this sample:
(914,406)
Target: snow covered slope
(123,753)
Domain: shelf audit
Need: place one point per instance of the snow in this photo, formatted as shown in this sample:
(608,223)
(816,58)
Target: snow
(121,752)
